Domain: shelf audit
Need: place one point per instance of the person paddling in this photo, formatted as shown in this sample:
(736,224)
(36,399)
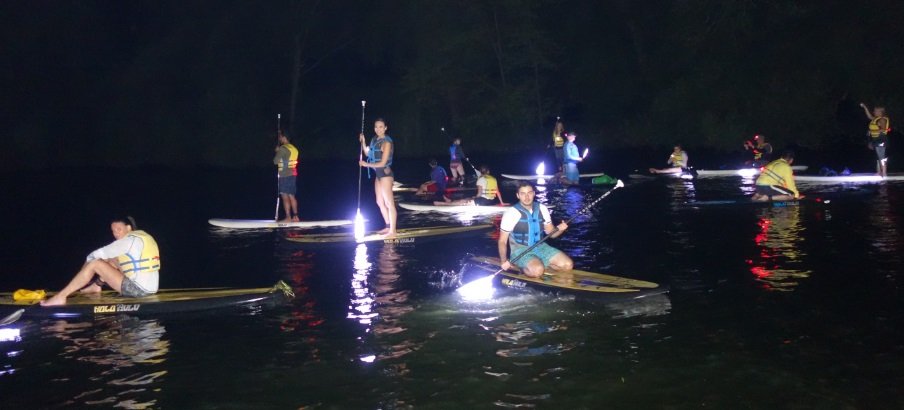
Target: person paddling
(776,182)
(436,184)
(456,156)
(572,157)
(521,227)
(379,159)
(761,150)
(286,161)
(130,265)
(678,161)
(879,127)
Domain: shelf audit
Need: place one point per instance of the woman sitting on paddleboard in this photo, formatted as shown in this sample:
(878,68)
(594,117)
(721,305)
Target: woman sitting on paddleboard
(521,227)
(379,158)
(130,265)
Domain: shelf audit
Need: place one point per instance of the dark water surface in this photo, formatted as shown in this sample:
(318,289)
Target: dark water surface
(792,307)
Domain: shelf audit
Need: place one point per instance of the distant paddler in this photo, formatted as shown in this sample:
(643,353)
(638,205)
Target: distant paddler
(286,161)
(558,144)
(678,162)
(437,182)
(487,191)
(521,227)
(379,159)
(879,128)
(130,265)
(776,182)
(572,157)
(761,150)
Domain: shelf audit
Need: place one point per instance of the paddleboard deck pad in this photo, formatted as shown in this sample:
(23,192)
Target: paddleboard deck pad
(403,236)
(165,301)
(580,283)
(269,223)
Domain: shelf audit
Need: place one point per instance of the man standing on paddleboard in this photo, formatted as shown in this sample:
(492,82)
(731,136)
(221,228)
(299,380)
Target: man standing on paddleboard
(878,130)
(572,157)
(130,265)
(521,227)
(286,161)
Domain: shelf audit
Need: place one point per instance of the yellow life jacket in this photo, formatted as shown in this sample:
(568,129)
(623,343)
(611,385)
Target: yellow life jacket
(293,159)
(492,187)
(557,140)
(874,129)
(678,159)
(148,261)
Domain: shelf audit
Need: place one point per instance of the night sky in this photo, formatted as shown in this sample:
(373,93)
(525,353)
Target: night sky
(200,83)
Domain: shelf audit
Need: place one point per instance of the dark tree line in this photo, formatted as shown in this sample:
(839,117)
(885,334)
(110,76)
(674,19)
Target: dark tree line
(200,82)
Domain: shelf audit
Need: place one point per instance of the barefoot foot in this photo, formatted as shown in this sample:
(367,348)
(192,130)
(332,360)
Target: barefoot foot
(56,300)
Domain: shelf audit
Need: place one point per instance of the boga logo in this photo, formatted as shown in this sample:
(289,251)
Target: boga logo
(116,308)
(513,283)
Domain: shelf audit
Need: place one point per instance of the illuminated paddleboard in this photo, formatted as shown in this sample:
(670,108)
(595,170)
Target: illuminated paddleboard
(578,282)
(269,223)
(403,236)
(164,301)
(547,176)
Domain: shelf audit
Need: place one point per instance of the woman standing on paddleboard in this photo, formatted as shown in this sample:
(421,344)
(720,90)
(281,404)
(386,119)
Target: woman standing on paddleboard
(379,159)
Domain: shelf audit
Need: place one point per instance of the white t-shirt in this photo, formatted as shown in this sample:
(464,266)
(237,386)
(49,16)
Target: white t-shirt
(132,246)
(511,217)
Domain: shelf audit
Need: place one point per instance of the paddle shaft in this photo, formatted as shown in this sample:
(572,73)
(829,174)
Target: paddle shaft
(580,211)
(360,156)
(276,214)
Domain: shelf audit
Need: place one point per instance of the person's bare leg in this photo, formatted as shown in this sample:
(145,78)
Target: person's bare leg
(388,204)
(294,207)
(108,273)
(378,194)
(287,208)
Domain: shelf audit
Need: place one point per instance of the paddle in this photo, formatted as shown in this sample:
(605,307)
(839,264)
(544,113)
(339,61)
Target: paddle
(276,214)
(482,282)
(359,220)
(12,317)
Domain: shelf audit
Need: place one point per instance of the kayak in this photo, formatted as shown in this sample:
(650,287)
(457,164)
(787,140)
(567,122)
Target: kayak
(269,223)
(403,236)
(165,301)
(577,282)
(458,209)
(744,172)
(532,177)
(822,179)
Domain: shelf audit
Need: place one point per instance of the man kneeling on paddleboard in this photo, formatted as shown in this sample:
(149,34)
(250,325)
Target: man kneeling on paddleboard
(776,182)
(130,265)
(521,228)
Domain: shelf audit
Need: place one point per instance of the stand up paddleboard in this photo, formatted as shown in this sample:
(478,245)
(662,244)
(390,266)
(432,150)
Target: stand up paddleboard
(456,209)
(852,178)
(269,223)
(533,177)
(403,236)
(165,301)
(743,172)
(580,283)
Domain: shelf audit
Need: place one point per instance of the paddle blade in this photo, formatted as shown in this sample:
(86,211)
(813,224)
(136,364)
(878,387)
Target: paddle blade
(586,151)
(477,290)
(359,225)
(619,184)
(12,317)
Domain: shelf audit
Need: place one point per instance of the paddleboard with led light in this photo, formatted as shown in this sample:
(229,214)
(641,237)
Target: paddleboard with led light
(547,176)
(403,236)
(743,172)
(852,178)
(165,301)
(269,223)
(577,282)
(456,209)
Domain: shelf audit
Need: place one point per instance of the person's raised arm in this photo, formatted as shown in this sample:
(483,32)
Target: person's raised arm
(866,111)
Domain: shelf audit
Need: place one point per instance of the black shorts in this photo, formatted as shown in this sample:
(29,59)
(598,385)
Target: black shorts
(287,185)
(483,201)
(382,172)
(770,190)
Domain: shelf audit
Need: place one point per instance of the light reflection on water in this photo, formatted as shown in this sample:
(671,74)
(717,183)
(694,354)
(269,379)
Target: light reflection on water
(779,263)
